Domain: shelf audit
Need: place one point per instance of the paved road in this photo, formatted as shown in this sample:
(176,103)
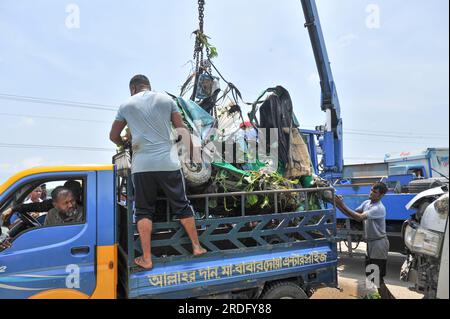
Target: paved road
(351,278)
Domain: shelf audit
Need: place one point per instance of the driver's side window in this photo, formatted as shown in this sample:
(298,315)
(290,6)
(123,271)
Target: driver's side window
(43,203)
(37,195)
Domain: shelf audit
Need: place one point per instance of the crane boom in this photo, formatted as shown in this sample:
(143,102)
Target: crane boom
(331,144)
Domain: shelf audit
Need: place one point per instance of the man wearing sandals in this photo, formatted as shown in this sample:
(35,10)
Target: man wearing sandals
(150,116)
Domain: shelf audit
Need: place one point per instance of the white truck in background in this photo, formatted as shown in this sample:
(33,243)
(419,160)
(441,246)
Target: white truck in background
(429,163)
(425,235)
(429,168)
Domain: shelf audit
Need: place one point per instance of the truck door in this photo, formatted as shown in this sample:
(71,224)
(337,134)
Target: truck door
(56,261)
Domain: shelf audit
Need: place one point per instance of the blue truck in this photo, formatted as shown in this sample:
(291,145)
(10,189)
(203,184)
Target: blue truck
(275,255)
(405,173)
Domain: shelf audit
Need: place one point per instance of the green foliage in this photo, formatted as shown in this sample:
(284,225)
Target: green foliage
(266,202)
(251,200)
(213,52)
(313,202)
(256,181)
(374,295)
(212,49)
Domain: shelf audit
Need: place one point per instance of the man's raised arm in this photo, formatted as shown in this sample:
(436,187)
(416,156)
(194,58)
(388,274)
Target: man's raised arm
(347,211)
(116,129)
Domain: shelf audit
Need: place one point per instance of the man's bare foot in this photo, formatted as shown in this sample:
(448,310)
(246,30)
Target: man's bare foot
(198,250)
(143,263)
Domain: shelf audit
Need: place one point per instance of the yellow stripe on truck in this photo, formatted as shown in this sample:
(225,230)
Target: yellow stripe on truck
(52,169)
(106,279)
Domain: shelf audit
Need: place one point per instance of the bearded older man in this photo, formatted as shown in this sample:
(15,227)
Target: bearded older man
(66,210)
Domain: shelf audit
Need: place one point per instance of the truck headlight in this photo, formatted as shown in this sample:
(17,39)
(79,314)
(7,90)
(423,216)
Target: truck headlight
(408,236)
(422,241)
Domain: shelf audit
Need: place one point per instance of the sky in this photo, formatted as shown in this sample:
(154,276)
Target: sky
(390,61)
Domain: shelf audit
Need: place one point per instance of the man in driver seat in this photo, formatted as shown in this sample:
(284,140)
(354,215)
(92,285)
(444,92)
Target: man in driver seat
(66,210)
(44,206)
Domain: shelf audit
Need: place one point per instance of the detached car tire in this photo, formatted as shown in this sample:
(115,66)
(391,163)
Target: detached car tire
(196,176)
(283,290)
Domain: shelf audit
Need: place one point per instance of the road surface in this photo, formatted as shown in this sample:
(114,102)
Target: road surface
(351,278)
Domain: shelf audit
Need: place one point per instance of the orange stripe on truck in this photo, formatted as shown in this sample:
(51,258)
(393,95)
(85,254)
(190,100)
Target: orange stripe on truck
(106,279)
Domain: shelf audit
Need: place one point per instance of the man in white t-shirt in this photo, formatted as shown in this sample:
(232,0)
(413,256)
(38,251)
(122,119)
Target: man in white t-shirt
(34,197)
(150,116)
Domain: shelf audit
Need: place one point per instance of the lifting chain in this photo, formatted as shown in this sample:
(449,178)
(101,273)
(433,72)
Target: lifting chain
(199,45)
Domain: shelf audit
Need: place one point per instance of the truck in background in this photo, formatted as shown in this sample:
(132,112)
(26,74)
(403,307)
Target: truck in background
(406,174)
(417,171)
(425,236)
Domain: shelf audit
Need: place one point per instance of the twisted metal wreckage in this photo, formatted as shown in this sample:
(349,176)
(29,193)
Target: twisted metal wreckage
(262,154)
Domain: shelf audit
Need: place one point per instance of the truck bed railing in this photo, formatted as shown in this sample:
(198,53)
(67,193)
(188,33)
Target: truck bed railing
(235,234)
(240,233)
(243,234)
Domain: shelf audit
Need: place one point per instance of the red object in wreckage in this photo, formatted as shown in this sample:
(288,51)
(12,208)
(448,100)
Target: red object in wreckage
(246,124)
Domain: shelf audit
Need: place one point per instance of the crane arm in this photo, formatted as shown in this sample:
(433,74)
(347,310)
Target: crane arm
(332,143)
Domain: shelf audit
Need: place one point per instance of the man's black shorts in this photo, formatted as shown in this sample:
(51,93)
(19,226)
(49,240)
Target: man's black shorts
(146,188)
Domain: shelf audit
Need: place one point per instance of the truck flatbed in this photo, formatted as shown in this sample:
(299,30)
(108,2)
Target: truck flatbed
(244,252)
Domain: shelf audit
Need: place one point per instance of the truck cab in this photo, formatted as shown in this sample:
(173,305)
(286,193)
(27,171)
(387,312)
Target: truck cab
(63,261)
(276,255)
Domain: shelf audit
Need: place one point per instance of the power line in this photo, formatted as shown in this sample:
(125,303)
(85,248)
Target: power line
(386,141)
(364,158)
(396,136)
(408,136)
(97,121)
(104,107)
(57,147)
(52,118)
(67,103)
(396,133)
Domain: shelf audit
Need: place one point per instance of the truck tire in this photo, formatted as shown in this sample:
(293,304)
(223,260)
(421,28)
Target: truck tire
(283,290)
(197,175)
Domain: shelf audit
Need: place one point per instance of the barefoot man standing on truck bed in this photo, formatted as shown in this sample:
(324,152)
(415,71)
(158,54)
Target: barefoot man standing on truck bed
(150,116)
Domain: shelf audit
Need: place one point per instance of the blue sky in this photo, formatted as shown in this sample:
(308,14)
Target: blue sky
(392,80)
